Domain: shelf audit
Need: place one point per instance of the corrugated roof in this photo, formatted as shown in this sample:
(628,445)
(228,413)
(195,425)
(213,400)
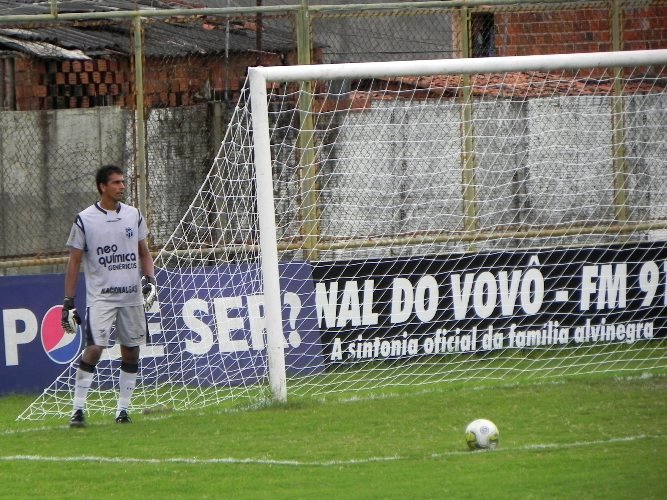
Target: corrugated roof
(162,37)
(22,7)
(202,37)
(42,49)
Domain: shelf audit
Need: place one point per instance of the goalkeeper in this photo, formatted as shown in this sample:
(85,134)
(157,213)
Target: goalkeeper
(109,237)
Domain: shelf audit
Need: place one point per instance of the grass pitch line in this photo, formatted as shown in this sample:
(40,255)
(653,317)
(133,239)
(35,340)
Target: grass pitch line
(300,463)
(196,461)
(10,432)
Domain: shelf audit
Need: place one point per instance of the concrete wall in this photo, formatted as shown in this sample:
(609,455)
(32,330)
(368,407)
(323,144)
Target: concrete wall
(179,156)
(391,170)
(48,161)
(47,165)
(540,162)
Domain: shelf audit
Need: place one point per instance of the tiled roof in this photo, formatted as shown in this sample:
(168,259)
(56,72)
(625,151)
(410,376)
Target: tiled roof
(518,85)
(196,35)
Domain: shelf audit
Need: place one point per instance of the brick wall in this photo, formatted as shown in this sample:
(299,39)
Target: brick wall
(63,84)
(645,29)
(29,87)
(585,30)
(66,84)
(169,83)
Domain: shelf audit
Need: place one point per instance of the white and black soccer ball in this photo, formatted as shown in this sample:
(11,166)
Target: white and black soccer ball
(482,434)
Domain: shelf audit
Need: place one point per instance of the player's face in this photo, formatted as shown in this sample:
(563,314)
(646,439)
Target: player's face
(114,189)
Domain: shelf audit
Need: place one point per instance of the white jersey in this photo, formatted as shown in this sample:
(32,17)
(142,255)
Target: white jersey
(110,241)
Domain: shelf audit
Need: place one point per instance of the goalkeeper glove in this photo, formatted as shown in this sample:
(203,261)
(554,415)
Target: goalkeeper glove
(69,319)
(149,290)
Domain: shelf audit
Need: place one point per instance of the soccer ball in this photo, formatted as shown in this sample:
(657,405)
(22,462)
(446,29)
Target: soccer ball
(482,434)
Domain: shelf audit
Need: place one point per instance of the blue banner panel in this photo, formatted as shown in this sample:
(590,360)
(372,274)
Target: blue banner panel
(213,328)
(437,305)
(207,329)
(34,349)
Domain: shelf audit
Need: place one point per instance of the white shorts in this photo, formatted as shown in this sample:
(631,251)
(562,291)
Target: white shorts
(130,324)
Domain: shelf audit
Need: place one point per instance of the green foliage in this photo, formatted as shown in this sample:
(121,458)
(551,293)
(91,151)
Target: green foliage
(592,437)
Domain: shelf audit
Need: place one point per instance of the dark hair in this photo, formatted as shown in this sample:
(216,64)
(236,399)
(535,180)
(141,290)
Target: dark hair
(103,174)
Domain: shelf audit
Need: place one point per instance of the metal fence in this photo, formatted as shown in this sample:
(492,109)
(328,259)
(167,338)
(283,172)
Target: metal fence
(151,89)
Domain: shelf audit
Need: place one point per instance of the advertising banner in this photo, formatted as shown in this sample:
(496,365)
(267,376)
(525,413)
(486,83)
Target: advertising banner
(209,326)
(34,349)
(403,307)
(214,327)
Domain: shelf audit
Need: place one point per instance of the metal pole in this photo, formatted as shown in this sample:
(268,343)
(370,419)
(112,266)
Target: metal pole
(140,124)
(618,132)
(280,9)
(259,23)
(305,141)
(468,143)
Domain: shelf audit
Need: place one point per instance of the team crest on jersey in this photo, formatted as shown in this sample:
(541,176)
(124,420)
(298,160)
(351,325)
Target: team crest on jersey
(129,232)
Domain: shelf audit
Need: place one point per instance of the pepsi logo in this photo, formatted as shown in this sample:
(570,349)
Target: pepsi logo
(61,347)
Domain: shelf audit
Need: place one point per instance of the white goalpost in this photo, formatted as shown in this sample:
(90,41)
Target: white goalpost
(374,225)
(269,249)
(259,77)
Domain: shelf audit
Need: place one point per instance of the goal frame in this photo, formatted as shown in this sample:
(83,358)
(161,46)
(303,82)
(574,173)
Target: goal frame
(260,76)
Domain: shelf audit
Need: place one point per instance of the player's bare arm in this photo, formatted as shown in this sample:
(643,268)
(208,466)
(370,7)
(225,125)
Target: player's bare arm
(148,283)
(70,317)
(146,259)
(72,271)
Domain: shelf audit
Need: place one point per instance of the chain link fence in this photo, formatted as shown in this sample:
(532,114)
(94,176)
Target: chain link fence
(152,88)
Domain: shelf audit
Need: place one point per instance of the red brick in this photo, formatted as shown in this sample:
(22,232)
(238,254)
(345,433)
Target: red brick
(180,85)
(35,104)
(40,91)
(22,64)
(181,71)
(218,83)
(22,91)
(633,36)
(39,65)
(23,78)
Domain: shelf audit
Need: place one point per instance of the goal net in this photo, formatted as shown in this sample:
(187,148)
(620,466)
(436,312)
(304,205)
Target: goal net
(374,225)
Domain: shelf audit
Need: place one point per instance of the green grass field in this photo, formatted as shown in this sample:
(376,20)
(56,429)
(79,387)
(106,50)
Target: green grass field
(585,437)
